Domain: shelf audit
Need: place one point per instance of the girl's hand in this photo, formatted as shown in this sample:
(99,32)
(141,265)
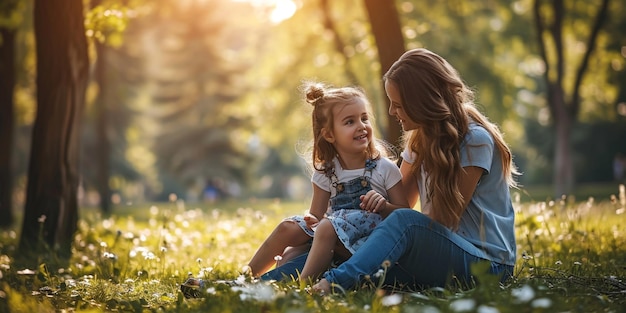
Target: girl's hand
(311,221)
(373,201)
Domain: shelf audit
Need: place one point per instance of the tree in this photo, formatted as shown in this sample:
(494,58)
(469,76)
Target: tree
(386,28)
(195,80)
(564,108)
(7,115)
(53,176)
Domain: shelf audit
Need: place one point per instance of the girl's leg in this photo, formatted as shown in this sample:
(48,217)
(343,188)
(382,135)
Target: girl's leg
(420,252)
(325,244)
(286,234)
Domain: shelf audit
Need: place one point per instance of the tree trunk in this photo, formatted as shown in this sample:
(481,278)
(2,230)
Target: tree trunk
(102,123)
(390,43)
(563,167)
(564,113)
(53,177)
(7,123)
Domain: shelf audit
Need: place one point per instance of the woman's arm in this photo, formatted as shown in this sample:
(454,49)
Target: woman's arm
(409,182)
(397,199)
(467,184)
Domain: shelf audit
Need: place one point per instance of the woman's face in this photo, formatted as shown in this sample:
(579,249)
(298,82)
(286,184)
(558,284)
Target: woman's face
(396,107)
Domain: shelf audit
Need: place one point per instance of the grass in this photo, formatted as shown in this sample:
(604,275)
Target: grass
(572,258)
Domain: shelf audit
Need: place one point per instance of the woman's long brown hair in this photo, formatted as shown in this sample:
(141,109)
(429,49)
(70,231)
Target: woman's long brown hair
(436,99)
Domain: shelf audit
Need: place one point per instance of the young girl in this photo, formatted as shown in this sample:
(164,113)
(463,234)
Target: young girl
(351,174)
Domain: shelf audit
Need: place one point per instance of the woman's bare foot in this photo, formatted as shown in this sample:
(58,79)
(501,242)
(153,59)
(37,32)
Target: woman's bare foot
(322,287)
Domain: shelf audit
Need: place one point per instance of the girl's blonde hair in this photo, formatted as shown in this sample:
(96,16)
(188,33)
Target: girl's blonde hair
(324,98)
(435,97)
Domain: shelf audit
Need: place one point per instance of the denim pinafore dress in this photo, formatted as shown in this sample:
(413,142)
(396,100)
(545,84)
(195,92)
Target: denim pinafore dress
(352,224)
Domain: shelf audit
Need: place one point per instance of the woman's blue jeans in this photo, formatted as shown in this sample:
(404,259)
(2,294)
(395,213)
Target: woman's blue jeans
(420,252)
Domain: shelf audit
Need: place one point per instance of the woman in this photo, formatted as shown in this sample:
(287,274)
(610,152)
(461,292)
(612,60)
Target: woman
(457,164)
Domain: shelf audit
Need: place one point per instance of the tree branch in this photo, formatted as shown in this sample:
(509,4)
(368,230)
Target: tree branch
(591,44)
(338,42)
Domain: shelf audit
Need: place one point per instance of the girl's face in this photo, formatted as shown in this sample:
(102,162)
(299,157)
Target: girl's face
(352,130)
(396,107)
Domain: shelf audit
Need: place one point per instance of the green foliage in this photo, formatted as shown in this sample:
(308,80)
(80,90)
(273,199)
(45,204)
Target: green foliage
(570,259)
(195,84)
(11,14)
(107,22)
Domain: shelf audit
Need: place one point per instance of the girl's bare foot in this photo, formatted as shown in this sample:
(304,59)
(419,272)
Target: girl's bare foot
(322,287)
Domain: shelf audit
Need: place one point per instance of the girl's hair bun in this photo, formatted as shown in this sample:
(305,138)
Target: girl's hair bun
(314,93)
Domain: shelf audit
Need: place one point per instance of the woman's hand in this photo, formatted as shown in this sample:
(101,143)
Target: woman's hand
(373,201)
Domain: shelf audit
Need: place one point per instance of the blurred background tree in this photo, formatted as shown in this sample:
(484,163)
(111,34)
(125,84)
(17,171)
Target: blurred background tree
(184,93)
(10,18)
(62,66)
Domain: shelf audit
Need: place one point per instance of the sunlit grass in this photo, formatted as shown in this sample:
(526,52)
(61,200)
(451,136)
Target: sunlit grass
(572,257)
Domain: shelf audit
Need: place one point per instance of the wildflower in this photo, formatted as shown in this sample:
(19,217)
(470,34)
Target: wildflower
(110,256)
(542,303)
(173,197)
(26,272)
(558,262)
(487,309)
(391,300)
(204,271)
(461,305)
(524,293)
(41,219)
(149,256)
(246,269)
(163,249)
(241,279)
(577,263)
(199,260)
(379,273)
(386,264)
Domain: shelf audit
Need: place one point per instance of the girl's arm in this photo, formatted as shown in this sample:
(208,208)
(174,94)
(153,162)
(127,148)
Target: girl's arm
(319,206)
(409,181)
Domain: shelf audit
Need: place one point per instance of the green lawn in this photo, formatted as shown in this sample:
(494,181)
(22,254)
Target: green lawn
(572,257)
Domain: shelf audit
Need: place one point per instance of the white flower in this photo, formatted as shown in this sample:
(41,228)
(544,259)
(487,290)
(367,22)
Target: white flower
(523,294)
(487,309)
(26,272)
(391,300)
(379,273)
(542,303)
(462,305)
